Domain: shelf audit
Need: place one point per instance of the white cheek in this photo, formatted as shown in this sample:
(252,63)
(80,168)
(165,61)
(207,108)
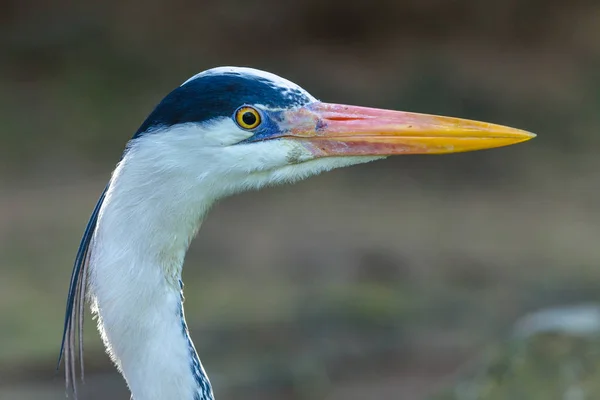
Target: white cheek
(262,156)
(224,132)
(197,161)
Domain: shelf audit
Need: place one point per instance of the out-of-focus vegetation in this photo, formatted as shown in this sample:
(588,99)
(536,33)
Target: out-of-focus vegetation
(556,357)
(378,281)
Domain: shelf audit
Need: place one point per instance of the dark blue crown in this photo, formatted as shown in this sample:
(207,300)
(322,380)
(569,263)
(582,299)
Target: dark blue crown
(218,93)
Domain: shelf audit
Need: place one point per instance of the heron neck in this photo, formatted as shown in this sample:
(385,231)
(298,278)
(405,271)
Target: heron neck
(143,232)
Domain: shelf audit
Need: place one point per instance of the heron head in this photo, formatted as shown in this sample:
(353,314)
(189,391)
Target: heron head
(241,128)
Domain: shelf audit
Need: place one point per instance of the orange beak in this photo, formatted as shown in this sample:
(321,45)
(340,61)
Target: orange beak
(343,130)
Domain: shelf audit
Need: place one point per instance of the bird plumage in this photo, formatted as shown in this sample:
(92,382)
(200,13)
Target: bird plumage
(172,167)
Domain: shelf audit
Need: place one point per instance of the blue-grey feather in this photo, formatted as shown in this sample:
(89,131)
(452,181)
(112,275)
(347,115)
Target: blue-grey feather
(78,270)
(202,380)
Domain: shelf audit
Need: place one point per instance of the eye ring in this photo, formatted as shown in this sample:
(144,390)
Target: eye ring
(247,117)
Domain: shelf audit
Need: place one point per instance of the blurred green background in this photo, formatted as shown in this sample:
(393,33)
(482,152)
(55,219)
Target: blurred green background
(392,280)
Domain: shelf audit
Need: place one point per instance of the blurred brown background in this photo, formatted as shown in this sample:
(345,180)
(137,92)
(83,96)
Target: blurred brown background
(374,282)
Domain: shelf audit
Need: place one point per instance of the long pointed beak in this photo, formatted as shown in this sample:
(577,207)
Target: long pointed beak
(343,130)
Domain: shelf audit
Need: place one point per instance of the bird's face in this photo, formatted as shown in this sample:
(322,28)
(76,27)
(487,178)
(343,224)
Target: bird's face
(241,128)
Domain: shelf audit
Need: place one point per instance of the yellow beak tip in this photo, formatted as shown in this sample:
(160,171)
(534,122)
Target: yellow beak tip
(528,136)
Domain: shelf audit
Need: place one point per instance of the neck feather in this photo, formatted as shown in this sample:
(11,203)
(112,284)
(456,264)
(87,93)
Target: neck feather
(143,232)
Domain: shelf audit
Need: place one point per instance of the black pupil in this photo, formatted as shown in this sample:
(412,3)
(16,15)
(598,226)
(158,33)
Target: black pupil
(249,118)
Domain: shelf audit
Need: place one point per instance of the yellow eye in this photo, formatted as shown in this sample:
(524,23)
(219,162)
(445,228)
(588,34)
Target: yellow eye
(247,117)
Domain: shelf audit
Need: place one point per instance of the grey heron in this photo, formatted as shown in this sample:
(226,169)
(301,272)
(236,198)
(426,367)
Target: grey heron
(223,131)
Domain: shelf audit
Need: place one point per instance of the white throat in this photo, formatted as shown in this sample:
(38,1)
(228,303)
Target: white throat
(142,235)
(153,207)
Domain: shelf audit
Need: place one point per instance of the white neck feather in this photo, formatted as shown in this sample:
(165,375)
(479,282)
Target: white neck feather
(157,197)
(143,232)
